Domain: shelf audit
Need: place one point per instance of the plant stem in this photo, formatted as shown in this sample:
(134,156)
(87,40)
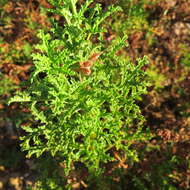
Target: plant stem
(74,7)
(67,19)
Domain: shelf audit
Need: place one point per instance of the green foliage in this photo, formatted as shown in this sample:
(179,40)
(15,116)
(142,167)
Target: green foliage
(82,92)
(185,55)
(6,85)
(2,4)
(133,18)
(49,178)
(157,79)
(186,60)
(160,172)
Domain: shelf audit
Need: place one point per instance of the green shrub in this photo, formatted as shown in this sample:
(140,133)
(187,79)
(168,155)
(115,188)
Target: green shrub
(83,92)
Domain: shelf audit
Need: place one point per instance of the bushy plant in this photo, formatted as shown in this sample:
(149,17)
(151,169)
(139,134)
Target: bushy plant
(82,91)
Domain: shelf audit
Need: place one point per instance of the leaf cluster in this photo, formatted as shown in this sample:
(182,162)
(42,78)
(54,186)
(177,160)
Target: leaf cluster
(82,118)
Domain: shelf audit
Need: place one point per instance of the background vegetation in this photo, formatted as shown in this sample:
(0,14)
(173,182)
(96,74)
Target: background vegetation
(158,29)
